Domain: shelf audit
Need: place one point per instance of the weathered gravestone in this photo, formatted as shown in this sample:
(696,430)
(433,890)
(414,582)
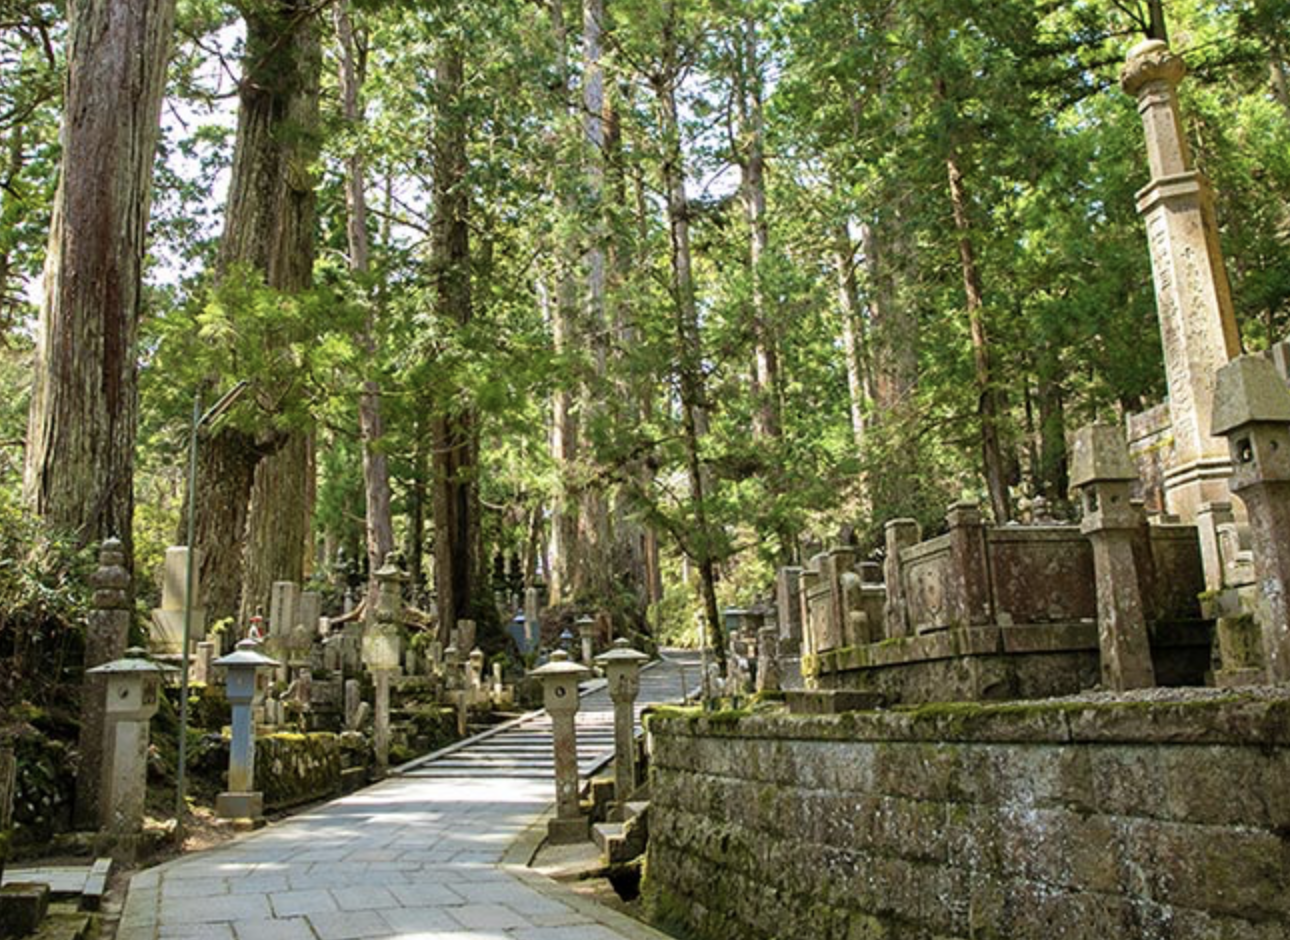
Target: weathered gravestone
(167,634)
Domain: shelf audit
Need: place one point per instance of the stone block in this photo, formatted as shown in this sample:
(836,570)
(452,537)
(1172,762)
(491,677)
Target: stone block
(239,806)
(831,701)
(568,831)
(22,907)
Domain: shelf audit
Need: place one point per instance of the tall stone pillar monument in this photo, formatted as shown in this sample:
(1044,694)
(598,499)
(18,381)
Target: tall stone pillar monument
(1193,298)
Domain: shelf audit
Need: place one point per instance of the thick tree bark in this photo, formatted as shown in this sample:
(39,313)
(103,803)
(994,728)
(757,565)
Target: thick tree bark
(15,156)
(634,541)
(1158,28)
(853,335)
(689,352)
(1279,82)
(453,427)
(1052,476)
(893,330)
(752,165)
(592,577)
(566,548)
(376,473)
(269,229)
(79,471)
(988,408)
(417,500)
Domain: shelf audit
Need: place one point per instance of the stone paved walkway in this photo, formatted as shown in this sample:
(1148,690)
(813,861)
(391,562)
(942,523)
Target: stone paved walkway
(420,856)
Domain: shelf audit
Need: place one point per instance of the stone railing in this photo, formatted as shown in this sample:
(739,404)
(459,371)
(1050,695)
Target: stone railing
(1019,601)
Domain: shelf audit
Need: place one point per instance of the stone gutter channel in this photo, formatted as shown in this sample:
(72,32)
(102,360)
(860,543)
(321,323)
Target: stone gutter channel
(437,851)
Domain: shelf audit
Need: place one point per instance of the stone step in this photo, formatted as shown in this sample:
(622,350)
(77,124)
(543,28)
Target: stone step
(616,842)
(88,883)
(634,808)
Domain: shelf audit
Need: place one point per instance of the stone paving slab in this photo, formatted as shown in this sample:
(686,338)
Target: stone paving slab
(422,856)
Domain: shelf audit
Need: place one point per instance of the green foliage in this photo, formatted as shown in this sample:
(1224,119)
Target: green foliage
(44,598)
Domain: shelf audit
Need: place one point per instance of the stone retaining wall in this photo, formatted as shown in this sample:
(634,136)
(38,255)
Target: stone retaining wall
(1037,821)
(297,768)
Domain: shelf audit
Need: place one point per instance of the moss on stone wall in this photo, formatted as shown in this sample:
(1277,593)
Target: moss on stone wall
(1145,819)
(297,768)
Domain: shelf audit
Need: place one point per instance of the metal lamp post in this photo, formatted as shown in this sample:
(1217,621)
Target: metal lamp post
(200,420)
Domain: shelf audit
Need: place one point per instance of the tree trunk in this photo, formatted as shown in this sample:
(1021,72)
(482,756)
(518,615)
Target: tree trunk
(269,229)
(987,396)
(689,351)
(225,471)
(593,575)
(893,330)
(1279,82)
(1157,27)
(752,164)
(417,499)
(566,554)
(853,337)
(376,473)
(79,471)
(1052,475)
(453,429)
(15,157)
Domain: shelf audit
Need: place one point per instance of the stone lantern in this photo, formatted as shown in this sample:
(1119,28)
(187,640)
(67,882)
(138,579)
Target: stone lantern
(133,696)
(242,801)
(560,696)
(382,652)
(1103,476)
(587,633)
(1252,410)
(622,667)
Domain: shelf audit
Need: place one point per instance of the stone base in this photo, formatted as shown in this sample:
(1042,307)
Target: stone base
(239,805)
(124,847)
(22,908)
(1235,678)
(831,701)
(568,831)
(167,633)
(999,663)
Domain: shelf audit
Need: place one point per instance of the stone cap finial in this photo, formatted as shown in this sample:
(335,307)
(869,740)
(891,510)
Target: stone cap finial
(135,660)
(246,656)
(1248,390)
(622,652)
(560,666)
(1100,456)
(111,581)
(390,571)
(1151,61)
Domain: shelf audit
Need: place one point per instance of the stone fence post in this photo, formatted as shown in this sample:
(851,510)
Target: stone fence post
(969,600)
(1102,474)
(900,534)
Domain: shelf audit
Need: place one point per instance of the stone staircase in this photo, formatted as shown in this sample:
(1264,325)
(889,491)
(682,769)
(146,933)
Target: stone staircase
(522,749)
(622,842)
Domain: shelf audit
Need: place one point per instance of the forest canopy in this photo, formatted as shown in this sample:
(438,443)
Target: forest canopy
(636,299)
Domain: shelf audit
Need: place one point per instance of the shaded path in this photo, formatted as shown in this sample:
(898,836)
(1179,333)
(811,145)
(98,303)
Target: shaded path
(416,857)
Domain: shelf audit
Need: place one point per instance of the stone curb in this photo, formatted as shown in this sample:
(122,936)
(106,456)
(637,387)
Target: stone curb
(516,863)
